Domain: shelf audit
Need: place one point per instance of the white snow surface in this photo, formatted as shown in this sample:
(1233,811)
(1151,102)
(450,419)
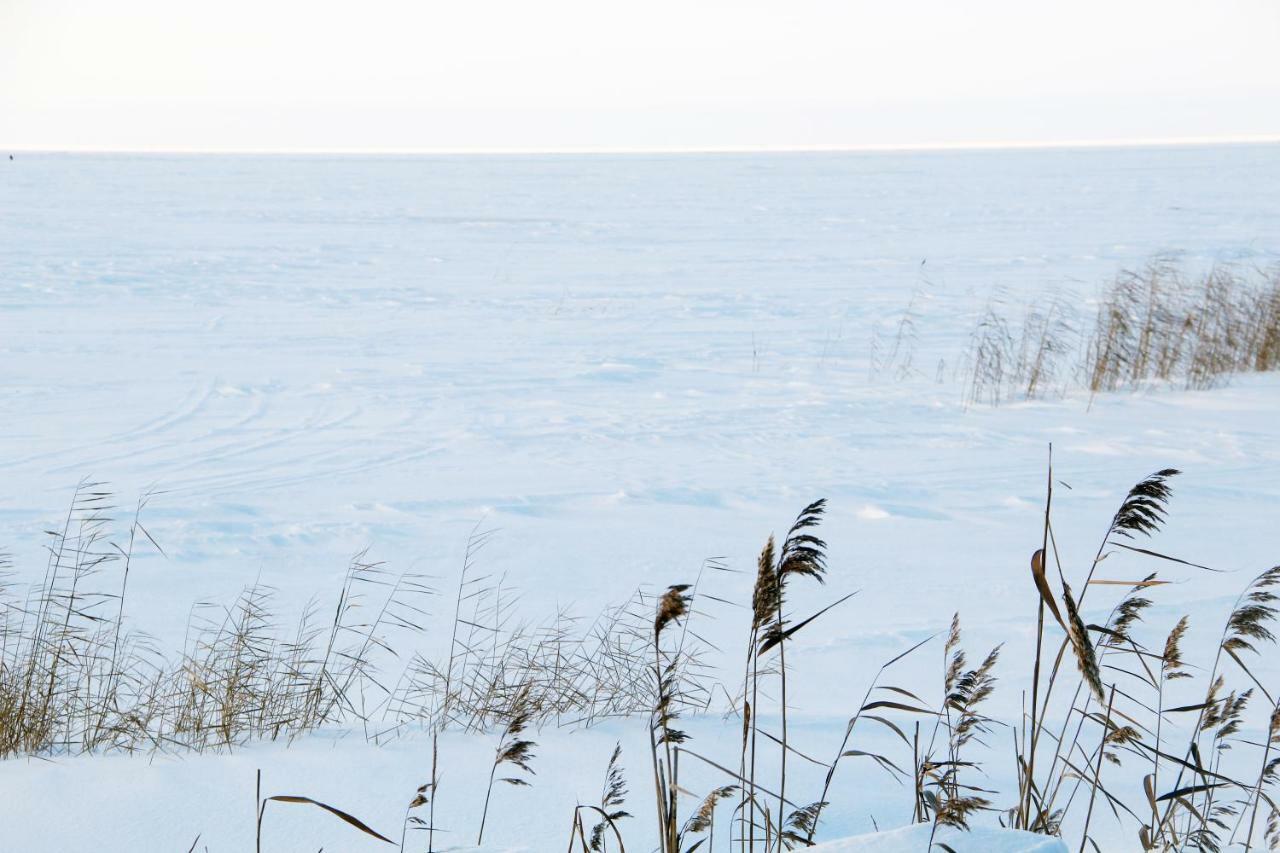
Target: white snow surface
(625,365)
(914,839)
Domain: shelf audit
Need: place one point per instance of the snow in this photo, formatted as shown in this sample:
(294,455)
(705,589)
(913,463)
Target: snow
(624,365)
(127,803)
(914,839)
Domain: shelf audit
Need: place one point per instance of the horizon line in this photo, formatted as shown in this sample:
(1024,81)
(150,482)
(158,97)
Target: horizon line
(1138,142)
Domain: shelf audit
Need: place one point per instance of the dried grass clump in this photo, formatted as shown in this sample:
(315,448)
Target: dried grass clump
(1156,325)
(1180,747)
(513,750)
(1201,797)
(75,678)
(613,796)
(1026,361)
(941,797)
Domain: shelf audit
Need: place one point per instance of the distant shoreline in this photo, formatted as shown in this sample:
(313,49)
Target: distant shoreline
(889,148)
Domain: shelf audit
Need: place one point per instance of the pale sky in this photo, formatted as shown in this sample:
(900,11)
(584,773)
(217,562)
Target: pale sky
(470,75)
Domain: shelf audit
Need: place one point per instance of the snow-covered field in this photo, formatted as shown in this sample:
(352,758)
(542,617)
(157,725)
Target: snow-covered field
(625,365)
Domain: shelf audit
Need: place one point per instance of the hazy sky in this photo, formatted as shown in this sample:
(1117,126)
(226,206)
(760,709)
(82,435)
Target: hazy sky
(606,74)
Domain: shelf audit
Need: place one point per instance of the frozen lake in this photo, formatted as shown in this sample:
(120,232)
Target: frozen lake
(625,363)
(314,354)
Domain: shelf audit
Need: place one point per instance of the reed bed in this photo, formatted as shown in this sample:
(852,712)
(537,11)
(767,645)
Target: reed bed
(74,677)
(1159,325)
(1103,700)
(1181,746)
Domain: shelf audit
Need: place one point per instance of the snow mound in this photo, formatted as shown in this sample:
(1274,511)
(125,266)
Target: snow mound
(915,839)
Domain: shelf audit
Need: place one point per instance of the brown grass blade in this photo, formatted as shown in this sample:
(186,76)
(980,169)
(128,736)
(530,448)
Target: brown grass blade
(339,813)
(1042,585)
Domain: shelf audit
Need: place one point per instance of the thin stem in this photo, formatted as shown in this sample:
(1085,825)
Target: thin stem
(782,782)
(1029,781)
(431,808)
(259,807)
(493,771)
(1097,773)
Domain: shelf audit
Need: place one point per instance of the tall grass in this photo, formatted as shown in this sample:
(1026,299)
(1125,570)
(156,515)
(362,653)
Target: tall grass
(1159,324)
(1027,360)
(1156,325)
(1089,713)
(1180,745)
(75,677)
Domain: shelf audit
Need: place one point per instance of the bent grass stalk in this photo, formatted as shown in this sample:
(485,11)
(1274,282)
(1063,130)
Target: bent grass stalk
(72,678)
